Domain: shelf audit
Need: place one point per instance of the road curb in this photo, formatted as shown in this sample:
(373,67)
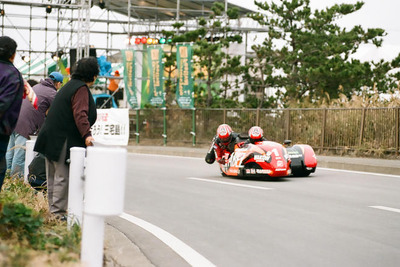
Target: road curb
(120,251)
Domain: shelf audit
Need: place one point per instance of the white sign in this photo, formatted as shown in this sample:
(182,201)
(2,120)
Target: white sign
(112,127)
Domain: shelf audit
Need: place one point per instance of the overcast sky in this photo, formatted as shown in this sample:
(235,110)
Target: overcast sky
(374,14)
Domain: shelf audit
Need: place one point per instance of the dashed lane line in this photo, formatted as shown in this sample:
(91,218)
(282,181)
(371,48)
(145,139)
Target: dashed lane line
(359,172)
(233,184)
(385,208)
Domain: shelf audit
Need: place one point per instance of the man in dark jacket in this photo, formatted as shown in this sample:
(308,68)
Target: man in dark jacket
(11,92)
(67,125)
(30,120)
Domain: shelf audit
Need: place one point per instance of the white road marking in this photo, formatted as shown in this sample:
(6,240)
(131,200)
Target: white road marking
(234,184)
(318,168)
(385,208)
(186,252)
(166,156)
(358,172)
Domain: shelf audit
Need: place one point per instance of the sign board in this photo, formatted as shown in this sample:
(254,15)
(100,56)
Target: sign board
(112,127)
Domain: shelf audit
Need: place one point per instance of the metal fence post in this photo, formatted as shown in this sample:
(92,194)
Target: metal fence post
(137,125)
(258,117)
(362,127)
(194,126)
(397,130)
(287,124)
(224,115)
(323,129)
(164,135)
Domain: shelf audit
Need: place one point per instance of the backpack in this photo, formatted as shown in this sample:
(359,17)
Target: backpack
(37,172)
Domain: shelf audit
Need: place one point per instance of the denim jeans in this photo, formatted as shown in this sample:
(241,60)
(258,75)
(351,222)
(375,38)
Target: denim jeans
(16,154)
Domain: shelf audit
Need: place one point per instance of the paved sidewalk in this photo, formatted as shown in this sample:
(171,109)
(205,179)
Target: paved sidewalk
(120,251)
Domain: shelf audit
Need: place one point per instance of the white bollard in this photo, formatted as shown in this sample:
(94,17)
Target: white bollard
(29,155)
(92,240)
(75,188)
(104,196)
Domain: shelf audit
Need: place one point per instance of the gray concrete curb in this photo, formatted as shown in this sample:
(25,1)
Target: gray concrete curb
(120,251)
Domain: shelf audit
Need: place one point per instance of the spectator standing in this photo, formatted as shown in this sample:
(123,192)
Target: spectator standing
(11,93)
(30,120)
(67,125)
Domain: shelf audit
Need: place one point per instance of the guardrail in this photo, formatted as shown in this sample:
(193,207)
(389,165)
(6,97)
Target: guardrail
(364,130)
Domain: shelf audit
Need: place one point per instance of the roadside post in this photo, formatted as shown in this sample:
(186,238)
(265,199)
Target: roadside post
(75,191)
(104,196)
(29,155)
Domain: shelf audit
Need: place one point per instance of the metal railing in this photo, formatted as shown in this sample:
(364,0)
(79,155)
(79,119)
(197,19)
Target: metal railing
(344,130)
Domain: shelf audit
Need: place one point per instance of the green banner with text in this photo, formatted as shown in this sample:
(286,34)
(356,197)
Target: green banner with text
(129,77)
(184,88)
(156,72)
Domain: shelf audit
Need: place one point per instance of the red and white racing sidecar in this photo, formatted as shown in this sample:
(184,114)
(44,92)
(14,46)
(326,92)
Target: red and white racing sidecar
(270,159)
(264,158)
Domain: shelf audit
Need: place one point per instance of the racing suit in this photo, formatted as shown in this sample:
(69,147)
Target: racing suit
(220,151)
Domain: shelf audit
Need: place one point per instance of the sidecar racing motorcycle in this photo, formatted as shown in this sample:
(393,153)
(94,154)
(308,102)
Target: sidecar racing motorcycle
(270,159)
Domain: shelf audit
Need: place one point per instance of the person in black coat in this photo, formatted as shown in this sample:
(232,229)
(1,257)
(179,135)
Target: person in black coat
(68,124)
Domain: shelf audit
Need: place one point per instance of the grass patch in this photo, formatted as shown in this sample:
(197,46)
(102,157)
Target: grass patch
(29,234)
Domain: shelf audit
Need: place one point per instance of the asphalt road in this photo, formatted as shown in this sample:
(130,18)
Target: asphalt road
(332,218)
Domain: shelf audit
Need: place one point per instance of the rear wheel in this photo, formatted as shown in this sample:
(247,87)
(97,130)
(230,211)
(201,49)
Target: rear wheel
(302,172)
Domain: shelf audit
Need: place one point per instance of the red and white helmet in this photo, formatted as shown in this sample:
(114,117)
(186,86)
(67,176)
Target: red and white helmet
(256,133)
(224,133)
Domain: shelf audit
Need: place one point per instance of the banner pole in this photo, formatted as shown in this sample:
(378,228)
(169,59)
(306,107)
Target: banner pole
(137,126)
(194,126)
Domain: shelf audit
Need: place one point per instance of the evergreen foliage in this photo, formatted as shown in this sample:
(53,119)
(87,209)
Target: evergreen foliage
(306,53)
(211,62)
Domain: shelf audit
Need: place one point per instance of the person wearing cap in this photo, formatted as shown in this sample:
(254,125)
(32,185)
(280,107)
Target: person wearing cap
(11,93)
(30,119)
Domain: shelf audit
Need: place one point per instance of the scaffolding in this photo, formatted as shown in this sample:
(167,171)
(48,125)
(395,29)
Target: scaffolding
(47,30)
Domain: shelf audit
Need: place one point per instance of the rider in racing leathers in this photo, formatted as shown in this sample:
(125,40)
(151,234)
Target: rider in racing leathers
(222,145)
(256,134)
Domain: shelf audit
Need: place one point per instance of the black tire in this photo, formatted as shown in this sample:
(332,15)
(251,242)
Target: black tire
(297,172)
(223,174)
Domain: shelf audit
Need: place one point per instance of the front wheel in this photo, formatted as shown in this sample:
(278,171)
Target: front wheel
(222,173)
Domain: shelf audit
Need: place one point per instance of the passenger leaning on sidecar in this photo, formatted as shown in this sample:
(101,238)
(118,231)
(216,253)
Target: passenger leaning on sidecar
(222,145)
(256,134)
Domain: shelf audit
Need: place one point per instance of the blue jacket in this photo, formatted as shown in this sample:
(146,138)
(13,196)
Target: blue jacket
(11,91)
